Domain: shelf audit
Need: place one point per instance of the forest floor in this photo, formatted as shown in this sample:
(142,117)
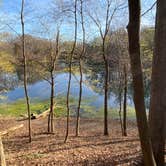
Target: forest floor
(90,148)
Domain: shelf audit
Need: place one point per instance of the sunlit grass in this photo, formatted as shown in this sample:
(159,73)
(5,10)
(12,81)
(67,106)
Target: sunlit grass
(18,109)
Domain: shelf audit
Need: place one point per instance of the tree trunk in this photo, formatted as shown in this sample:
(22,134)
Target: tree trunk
(51,113)
(105,58)
(25,71)
(48,127)
(70,72)
(106,98)
(120,112)
(80,68)
(79,100)
(157,114)
(125,103)
(134,51)
(54,56)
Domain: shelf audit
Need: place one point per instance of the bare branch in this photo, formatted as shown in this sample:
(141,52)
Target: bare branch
(144,13)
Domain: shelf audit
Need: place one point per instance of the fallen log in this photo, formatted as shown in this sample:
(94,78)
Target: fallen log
(2,133)
(44,114)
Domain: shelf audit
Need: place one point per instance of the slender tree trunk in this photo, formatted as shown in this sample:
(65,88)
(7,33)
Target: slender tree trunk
(120,111)
(106,98)
(48,127)
(70,72)
(134,51)
(54,56)
(25,71)
(125,103)
(105,88)
(120,100)
(80,98)
(80,68)
(51,113)
(157,114)
(67,103)
(52,103)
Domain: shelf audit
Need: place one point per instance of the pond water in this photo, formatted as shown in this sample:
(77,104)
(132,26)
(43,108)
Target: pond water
(41,90)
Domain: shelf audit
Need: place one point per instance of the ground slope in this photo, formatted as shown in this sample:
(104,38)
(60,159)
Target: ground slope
(90,148)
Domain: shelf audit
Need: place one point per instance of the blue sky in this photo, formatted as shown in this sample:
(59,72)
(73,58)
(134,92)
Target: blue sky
(35,9)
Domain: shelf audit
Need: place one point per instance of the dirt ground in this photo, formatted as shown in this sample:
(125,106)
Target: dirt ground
(90,148)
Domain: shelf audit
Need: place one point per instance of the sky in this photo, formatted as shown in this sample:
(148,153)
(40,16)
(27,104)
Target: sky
(36,10)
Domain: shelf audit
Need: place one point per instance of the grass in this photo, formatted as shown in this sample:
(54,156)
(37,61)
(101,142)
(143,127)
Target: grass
(114,113)
(18,109)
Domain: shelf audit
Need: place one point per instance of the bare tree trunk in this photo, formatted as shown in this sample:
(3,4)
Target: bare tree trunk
(67,103)
(157,114)
(51,113)
(25,71)
(79,100)
(106,97)
(134,51)
(125,103)
(120,91)
(52,103)
(80,68)
(70,72)
(48,127)
(120,112)
(54,56)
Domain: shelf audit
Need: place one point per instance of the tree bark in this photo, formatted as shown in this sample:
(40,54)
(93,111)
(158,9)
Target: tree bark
(25,71)
(51,113)
(80,98)
(120,112)
(70,72)
(54,56)
(80,69)
(125,103)
(52,103)
(106,98)
(134,51)
(157,115)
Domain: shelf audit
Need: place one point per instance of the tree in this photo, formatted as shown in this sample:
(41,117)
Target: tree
(157,114)
(80,67)
(70,69)
(123,77)
(104,35)
(125,102)
(53,57)
(25,71)
(136,69)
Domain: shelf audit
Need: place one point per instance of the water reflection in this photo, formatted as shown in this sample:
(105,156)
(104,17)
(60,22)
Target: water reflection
(41,90)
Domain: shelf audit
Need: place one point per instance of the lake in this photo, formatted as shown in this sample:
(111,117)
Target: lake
(41,90)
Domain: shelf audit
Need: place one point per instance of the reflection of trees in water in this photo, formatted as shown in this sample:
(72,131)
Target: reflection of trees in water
(8,82)
(95,80)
